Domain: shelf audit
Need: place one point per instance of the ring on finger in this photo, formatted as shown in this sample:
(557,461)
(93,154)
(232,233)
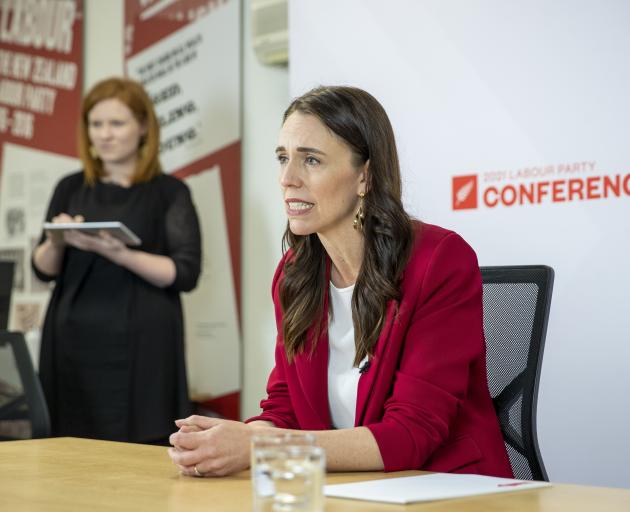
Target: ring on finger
(198,473)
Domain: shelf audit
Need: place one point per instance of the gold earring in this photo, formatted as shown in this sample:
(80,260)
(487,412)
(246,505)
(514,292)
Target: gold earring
(93,152)
(357,223)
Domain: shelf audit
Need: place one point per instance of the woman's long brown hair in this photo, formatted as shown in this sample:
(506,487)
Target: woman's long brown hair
(358,119)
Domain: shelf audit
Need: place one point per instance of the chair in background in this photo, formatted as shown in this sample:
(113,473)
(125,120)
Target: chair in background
(6,286)
(23,410)
(516,304)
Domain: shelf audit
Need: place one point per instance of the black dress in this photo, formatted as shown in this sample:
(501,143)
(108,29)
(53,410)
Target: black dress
(112,354)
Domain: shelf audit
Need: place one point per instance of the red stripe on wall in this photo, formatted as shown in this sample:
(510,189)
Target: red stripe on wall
(227,406)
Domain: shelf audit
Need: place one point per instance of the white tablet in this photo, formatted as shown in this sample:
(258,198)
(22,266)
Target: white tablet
(114,228)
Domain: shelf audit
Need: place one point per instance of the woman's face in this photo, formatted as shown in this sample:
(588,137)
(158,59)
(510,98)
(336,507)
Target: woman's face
(114,132)
(320,183)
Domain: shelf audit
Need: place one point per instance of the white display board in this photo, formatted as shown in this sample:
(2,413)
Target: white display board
(511,124)
(28,177)
(194,83)
(211,316)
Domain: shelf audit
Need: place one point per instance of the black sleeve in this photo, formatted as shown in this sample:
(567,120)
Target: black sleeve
(184,240)
(58,204)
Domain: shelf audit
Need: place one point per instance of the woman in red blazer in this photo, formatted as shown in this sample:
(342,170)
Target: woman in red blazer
(416,374)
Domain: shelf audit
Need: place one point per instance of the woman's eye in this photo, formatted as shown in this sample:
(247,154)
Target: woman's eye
(311,160)
(282,159)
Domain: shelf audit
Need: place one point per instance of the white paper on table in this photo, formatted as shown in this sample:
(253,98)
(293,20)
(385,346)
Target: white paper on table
(435,486)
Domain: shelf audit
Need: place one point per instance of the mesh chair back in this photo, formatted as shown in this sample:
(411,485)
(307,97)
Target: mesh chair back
(23,411)
(516,304)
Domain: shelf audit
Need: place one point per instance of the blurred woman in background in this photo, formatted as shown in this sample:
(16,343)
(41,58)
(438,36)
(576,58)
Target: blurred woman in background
(112,355)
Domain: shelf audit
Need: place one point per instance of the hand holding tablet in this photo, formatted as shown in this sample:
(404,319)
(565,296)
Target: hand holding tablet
(114,228)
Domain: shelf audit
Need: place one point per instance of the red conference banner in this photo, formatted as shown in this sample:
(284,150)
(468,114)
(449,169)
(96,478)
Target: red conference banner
(41,73)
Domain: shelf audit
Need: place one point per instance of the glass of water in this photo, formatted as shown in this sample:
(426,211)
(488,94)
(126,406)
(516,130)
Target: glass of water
(287,473)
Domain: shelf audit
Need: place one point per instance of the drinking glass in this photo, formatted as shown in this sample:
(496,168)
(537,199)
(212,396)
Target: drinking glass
(287,473)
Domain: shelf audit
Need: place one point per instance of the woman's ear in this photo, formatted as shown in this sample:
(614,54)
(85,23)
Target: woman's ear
(363,179)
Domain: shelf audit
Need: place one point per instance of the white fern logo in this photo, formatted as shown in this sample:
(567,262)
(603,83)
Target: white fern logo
(464,191)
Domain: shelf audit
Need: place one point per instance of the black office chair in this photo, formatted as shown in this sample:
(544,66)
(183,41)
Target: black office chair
(516,304)
(23,410)
(7,269)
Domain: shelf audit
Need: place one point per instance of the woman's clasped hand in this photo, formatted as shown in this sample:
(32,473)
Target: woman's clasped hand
(216,447)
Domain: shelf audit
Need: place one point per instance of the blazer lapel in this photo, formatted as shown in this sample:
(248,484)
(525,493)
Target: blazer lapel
(312,372)
(379,363)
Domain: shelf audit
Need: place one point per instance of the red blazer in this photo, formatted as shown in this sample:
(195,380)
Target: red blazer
(425,395)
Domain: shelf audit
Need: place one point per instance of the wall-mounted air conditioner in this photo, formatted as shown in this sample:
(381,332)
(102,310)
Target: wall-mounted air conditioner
(270,31)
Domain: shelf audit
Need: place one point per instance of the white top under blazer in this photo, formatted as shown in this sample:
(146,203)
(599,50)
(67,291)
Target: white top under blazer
(343,378)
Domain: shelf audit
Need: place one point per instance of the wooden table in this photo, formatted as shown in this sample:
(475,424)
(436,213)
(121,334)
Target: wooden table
(67,474)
